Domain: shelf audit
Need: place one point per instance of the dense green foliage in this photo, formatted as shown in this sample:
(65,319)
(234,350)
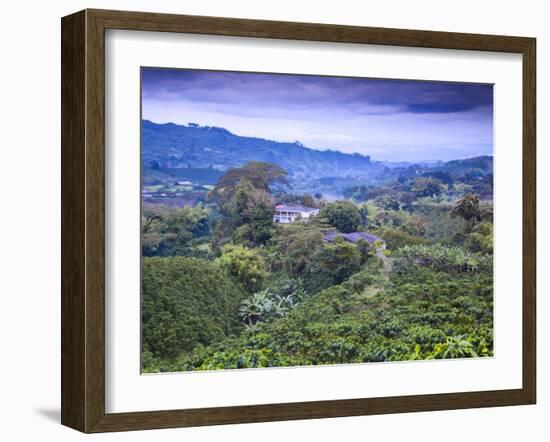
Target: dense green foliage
(422,315)
(343,215)
(225,287)
(173,232)
(242,196)
(186,302)
(245,265)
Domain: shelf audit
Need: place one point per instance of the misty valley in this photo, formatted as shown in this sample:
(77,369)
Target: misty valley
(261,253)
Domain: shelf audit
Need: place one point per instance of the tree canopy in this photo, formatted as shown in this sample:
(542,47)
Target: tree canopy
(468,209)
(260,175)
(343,215)
(246,265)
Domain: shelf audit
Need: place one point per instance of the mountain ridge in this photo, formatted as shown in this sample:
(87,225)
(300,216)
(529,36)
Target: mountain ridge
(171,145)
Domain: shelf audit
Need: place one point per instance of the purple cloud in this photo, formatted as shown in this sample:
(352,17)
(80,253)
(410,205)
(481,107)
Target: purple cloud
(349,114)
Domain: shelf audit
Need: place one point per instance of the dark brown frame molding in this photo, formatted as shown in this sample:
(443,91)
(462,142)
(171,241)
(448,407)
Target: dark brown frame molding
(83,217)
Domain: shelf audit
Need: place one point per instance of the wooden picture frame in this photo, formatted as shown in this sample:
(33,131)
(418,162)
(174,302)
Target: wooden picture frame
(83,220)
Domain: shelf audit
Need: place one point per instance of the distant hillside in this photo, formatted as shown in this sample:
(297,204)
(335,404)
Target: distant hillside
(192,146)
(482,165)
(194,175)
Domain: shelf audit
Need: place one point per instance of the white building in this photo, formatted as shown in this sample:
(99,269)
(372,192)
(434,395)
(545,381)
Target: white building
(288,214)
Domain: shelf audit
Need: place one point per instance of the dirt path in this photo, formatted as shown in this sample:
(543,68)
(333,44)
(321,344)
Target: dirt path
(373,290)
(388,262)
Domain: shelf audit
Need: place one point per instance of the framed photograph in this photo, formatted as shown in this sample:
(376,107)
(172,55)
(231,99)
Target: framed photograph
(266,221)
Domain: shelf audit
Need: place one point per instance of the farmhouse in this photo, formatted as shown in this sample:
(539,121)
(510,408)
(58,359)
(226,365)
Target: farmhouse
(285,214)
(354,237)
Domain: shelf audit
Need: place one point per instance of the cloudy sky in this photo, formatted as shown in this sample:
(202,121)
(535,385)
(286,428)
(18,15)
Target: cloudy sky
(391,120)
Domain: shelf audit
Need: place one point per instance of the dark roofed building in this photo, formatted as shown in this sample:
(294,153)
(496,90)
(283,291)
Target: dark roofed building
(354,237)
